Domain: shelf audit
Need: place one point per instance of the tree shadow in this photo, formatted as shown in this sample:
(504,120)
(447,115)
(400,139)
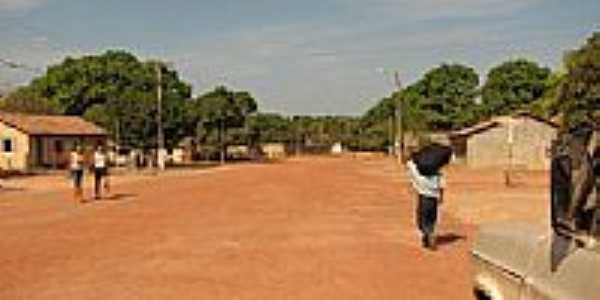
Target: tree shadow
(449,238)
(11,189)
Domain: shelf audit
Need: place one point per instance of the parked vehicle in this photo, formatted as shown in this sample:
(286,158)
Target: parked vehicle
(560,261)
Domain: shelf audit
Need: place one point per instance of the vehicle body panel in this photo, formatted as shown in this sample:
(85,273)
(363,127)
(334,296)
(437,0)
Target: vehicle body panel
(514,261)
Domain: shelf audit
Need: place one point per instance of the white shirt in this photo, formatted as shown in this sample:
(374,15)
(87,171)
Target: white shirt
(76,161)
(99,160)
(429,186)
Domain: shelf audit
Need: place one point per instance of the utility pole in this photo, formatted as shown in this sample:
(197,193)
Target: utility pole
(391,147)
(399,117)
(117,138)
(399,150)
(160,155)
(222,140)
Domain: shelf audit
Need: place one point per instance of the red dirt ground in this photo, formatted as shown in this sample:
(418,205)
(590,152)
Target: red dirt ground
(319,228)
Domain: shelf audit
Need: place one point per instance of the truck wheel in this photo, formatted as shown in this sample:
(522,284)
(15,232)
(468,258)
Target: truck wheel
(480,295)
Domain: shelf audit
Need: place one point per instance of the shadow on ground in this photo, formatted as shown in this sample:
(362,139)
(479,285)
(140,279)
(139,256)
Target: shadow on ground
(117,197)
(449,238)
(11,189)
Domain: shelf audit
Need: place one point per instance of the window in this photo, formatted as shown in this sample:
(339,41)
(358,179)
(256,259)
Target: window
(7,146)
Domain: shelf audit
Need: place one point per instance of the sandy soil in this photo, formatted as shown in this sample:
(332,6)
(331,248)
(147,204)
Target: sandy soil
(318,228)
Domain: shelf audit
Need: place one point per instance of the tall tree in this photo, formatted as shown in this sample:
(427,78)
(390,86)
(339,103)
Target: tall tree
(449,93)
(579,98)
(24,100)
(216,112)
(270,128)
(513,85)
(415,119)
(117,91)
(548,105)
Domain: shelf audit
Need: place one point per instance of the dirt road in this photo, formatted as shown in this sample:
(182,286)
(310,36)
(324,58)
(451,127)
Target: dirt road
(302,229)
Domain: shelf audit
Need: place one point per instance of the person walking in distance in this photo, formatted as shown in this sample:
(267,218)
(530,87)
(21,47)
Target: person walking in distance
(100,169)
(424,169)
(76,168)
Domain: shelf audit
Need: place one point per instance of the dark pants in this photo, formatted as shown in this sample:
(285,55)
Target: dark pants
(427,214)
(77,176)
(99,173)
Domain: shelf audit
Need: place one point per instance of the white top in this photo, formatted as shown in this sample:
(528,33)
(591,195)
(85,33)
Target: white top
(99,160)
(429,186)
(76,161)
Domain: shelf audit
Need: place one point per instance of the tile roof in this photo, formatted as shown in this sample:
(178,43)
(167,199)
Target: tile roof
(475,128)
(50,125)
(485,125)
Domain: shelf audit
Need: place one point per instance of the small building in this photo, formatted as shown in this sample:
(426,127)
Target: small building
(337,148)
(521,141)
(40,141)
(274,150)
(238,151)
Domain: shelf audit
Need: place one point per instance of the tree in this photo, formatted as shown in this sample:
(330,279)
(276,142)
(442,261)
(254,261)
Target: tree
(449,93)
(217,111)
(513,85)
(270,128)
(415,119)
(443,99)
(579,97)
(24,100)
(376,130)
(548,105)
(117,91)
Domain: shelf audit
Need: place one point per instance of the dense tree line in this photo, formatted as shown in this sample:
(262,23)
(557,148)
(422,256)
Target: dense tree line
(118,91)
(450,97)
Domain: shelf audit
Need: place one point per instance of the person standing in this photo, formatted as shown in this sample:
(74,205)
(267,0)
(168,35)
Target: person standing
(100,171)
(76,168)
(430,193)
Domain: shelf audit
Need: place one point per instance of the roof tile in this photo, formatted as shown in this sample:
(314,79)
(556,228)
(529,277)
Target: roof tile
(50,125)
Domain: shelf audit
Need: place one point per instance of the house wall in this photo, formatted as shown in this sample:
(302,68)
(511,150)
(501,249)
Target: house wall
(45,153)
(274,150)
(530,141)
(488,148)
(17,159)
(531,144)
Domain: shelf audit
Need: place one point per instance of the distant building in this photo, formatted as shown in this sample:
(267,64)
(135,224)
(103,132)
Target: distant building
(33,141)
(337,148)
(274,150)
(238,151)
(521,141)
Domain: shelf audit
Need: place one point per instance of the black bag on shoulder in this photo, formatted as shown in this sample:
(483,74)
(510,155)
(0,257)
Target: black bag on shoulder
(431,158)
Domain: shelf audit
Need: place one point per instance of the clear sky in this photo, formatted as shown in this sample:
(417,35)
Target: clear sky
(301,56)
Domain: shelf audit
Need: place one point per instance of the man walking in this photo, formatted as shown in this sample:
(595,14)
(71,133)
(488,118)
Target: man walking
(76,168)
(100,171)
(428,182)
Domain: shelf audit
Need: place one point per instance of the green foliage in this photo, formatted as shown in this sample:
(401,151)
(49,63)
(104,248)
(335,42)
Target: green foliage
(325,130)
(444,99)
(449,93)
(579,97)
(376,130)
(270,128)
(513,85)
(415,118)
(548,105)
(216,117)
(24,100)
(118,92)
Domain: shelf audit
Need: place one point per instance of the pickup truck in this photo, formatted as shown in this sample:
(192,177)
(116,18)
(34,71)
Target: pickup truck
(558,261)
